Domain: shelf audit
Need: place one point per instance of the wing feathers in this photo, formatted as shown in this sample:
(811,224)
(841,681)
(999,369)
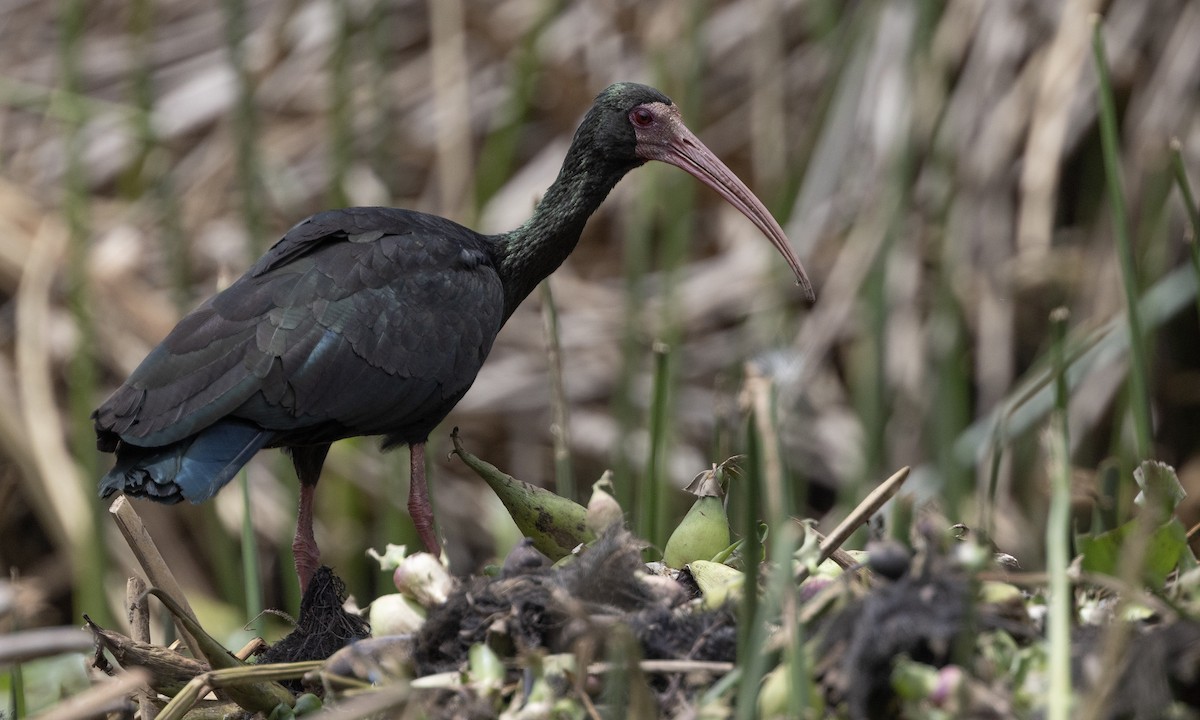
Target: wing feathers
(363,321)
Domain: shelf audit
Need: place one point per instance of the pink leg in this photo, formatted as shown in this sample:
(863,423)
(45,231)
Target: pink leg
(304,546)
(418,499)
(308,460)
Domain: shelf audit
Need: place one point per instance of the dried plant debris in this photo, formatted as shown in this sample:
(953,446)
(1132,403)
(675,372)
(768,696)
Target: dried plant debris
(1160,666)
(710,636)
(324,626)
(169,671)
(551,609)
(929,615)
(523,559)
(939,634)
(378,660)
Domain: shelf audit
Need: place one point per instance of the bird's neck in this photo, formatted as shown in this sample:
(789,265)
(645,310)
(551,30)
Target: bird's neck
(528,255)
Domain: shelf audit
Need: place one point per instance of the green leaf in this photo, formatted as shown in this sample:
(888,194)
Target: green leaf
(486,670)
(307,703)
(282,712)
(1166,545)
(1161,491)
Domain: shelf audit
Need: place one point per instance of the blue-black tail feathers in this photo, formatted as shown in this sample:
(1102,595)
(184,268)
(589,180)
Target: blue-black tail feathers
(193,469)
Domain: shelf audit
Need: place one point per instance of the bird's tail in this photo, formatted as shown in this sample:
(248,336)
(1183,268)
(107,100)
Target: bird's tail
(192,469)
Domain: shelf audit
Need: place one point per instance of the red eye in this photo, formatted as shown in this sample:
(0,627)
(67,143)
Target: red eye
(641,117)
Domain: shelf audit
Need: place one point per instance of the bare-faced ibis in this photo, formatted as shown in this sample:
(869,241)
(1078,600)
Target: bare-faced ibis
(372,321)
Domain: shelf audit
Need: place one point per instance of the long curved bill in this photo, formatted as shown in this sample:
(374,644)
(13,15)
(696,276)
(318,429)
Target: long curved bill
(678,146)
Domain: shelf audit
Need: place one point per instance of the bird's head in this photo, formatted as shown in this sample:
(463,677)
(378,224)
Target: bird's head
(636,123)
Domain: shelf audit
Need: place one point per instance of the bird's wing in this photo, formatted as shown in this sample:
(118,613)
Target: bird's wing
(357,224)
(189,381)
(358,318)
(396,350)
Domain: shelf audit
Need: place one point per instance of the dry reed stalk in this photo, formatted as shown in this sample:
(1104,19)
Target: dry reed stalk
(152,563)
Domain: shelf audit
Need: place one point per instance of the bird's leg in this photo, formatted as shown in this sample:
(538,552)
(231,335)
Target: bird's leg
(304,546)
(418,499)
(308,460)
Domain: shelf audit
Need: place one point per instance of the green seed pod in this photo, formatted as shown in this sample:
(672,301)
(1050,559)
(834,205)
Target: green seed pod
(307,703)
(702,533)
(776,693)
(718,582)
(555,524)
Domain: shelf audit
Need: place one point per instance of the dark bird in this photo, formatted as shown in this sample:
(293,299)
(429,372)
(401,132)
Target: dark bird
(372,321)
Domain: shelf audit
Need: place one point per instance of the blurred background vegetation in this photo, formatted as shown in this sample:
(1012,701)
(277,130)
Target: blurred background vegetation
(937,166)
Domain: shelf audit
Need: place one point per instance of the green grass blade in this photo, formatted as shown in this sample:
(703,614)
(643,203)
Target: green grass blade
(560,429)
(151,173)
(340,107)
(251,575)
(635,253)
(654,520)
(248,177)
(18,692)
(872,398)
(1189,204)
(1058,536)
(779,591)
(498,155)
(987,499)
(89,561)
(1032,398)
(780,599)
(951,407)
(221,552)
(245,124)
(17,676)
(1138,374)
(749,613)
(1185,188)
